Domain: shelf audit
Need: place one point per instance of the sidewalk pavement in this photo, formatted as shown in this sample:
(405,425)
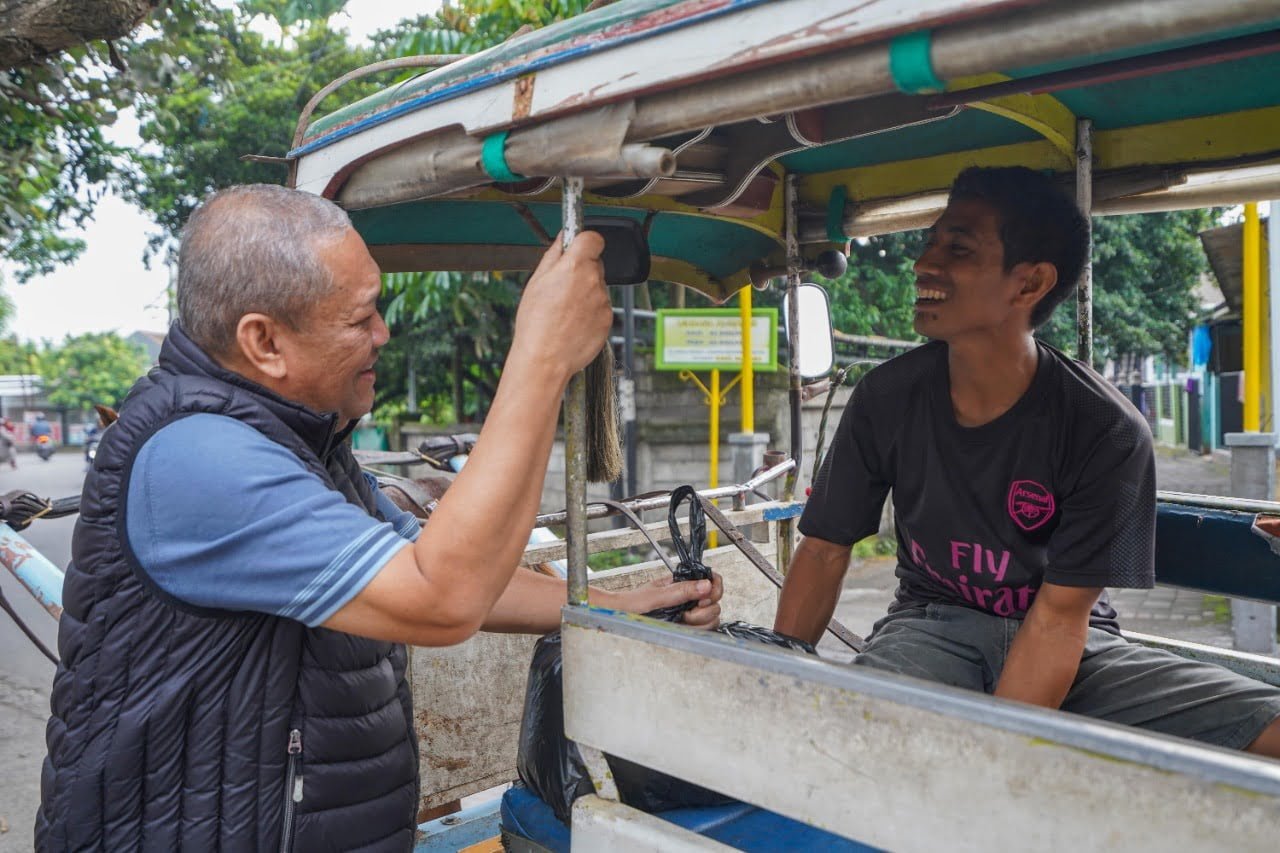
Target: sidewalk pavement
(1164,611)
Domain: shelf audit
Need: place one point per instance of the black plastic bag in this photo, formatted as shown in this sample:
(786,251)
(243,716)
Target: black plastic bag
(768,636)
(550,765)
(690,567)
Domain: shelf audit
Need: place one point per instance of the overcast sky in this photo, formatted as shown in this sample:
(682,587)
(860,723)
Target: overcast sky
(109,288)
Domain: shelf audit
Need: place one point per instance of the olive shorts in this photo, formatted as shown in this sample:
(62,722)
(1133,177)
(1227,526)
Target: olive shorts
(1118,681)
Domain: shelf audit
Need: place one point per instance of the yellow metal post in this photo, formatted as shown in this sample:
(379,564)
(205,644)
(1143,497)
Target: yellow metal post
(1251,321)
(714,443)
(748,369)
(1266,340)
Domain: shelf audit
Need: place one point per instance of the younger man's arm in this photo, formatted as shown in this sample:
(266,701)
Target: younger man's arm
(1045,654)
(812,588)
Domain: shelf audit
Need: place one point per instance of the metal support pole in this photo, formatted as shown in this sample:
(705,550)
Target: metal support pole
(713,443)
(627,386)
(411,380)
(1251,319)
(575,428)
(41,578)
(786,528)
(1253,475)
(1273,305)
(1084,199)
(748,381)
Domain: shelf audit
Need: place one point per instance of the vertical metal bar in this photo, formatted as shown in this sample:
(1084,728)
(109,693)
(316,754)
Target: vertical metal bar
(1251,275)
(575,428)
(629,384)
(1253,475)
(713,435)
(1273,305)
(713,442)
(1084,199)
(748,381)
(786,528)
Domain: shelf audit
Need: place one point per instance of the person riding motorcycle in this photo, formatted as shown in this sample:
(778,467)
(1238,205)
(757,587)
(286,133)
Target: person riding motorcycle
(42,433)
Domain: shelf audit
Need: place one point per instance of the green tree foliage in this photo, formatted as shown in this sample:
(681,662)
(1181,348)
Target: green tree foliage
(471,26)
(227,92)
(54,157)
(18,356)
(876,295)
(98,367)
(1145,268)
(455,327)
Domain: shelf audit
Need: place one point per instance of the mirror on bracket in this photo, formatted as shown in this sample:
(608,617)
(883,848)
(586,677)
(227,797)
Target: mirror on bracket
(816,351)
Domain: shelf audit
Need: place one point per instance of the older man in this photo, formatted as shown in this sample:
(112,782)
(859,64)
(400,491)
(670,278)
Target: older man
(233,667)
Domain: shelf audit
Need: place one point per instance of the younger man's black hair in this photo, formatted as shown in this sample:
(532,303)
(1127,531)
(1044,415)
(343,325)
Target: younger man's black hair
(1038,222)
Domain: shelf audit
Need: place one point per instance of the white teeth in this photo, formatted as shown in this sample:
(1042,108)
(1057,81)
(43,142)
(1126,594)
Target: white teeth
(926,293)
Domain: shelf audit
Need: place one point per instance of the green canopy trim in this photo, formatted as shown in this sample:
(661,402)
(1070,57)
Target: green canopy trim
(709,254)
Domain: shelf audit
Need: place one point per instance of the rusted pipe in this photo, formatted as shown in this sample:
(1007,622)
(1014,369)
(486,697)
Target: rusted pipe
(41,578)
(787,527)
(1084,199)
(661,500)
(1195,56)
(1034,36)
(575,428)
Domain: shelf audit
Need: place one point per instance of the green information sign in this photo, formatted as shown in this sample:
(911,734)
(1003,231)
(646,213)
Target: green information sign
(711,338)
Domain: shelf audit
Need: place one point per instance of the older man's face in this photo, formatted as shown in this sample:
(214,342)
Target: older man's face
(331,366)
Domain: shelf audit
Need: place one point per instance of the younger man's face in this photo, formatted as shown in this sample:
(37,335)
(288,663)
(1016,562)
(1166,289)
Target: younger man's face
(962,289)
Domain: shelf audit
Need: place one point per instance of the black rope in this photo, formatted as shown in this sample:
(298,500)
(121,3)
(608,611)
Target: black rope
(31,635)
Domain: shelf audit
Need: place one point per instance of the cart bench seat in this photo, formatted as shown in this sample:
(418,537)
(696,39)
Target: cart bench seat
(745,827)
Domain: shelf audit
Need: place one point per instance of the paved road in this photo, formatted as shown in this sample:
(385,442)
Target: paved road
(25,674)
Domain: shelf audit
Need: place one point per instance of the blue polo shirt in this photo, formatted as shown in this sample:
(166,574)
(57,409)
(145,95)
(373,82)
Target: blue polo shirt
(220,516)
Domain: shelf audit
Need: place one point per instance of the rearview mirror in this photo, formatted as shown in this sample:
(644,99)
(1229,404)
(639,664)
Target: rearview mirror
(626,251)
(815,352)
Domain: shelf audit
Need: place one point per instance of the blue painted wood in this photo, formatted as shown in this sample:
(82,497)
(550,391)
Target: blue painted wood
(1215,551)
(739,825)
(462,829)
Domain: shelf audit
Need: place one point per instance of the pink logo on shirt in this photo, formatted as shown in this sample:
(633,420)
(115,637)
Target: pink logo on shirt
(1030,504)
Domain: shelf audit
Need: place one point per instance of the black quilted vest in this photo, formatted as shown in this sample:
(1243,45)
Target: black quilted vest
(172,725)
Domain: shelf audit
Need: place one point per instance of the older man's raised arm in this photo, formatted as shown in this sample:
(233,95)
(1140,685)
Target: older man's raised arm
(440,589)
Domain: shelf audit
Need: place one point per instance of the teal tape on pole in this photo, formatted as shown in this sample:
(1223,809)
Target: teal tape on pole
(493,159)
(835,214)
(911,66)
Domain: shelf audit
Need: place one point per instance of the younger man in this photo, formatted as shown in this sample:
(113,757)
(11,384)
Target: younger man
(1023,485)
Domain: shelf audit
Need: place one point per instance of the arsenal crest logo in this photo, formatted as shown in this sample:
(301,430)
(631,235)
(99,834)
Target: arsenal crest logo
(1030,504)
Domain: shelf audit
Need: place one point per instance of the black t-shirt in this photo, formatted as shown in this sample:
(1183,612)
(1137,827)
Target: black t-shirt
(1060,488)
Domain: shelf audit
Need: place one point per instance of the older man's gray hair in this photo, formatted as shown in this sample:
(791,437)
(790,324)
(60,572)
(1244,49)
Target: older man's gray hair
(253,249)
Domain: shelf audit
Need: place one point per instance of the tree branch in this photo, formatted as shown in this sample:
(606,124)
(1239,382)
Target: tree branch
(32,30)
(24,95)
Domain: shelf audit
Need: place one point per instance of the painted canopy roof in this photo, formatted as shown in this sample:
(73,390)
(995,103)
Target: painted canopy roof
(1200,94)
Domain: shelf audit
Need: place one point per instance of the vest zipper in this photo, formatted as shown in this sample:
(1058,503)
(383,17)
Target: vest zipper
(292,789)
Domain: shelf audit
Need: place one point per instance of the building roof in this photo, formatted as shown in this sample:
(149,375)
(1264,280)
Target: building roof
(1225,248)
